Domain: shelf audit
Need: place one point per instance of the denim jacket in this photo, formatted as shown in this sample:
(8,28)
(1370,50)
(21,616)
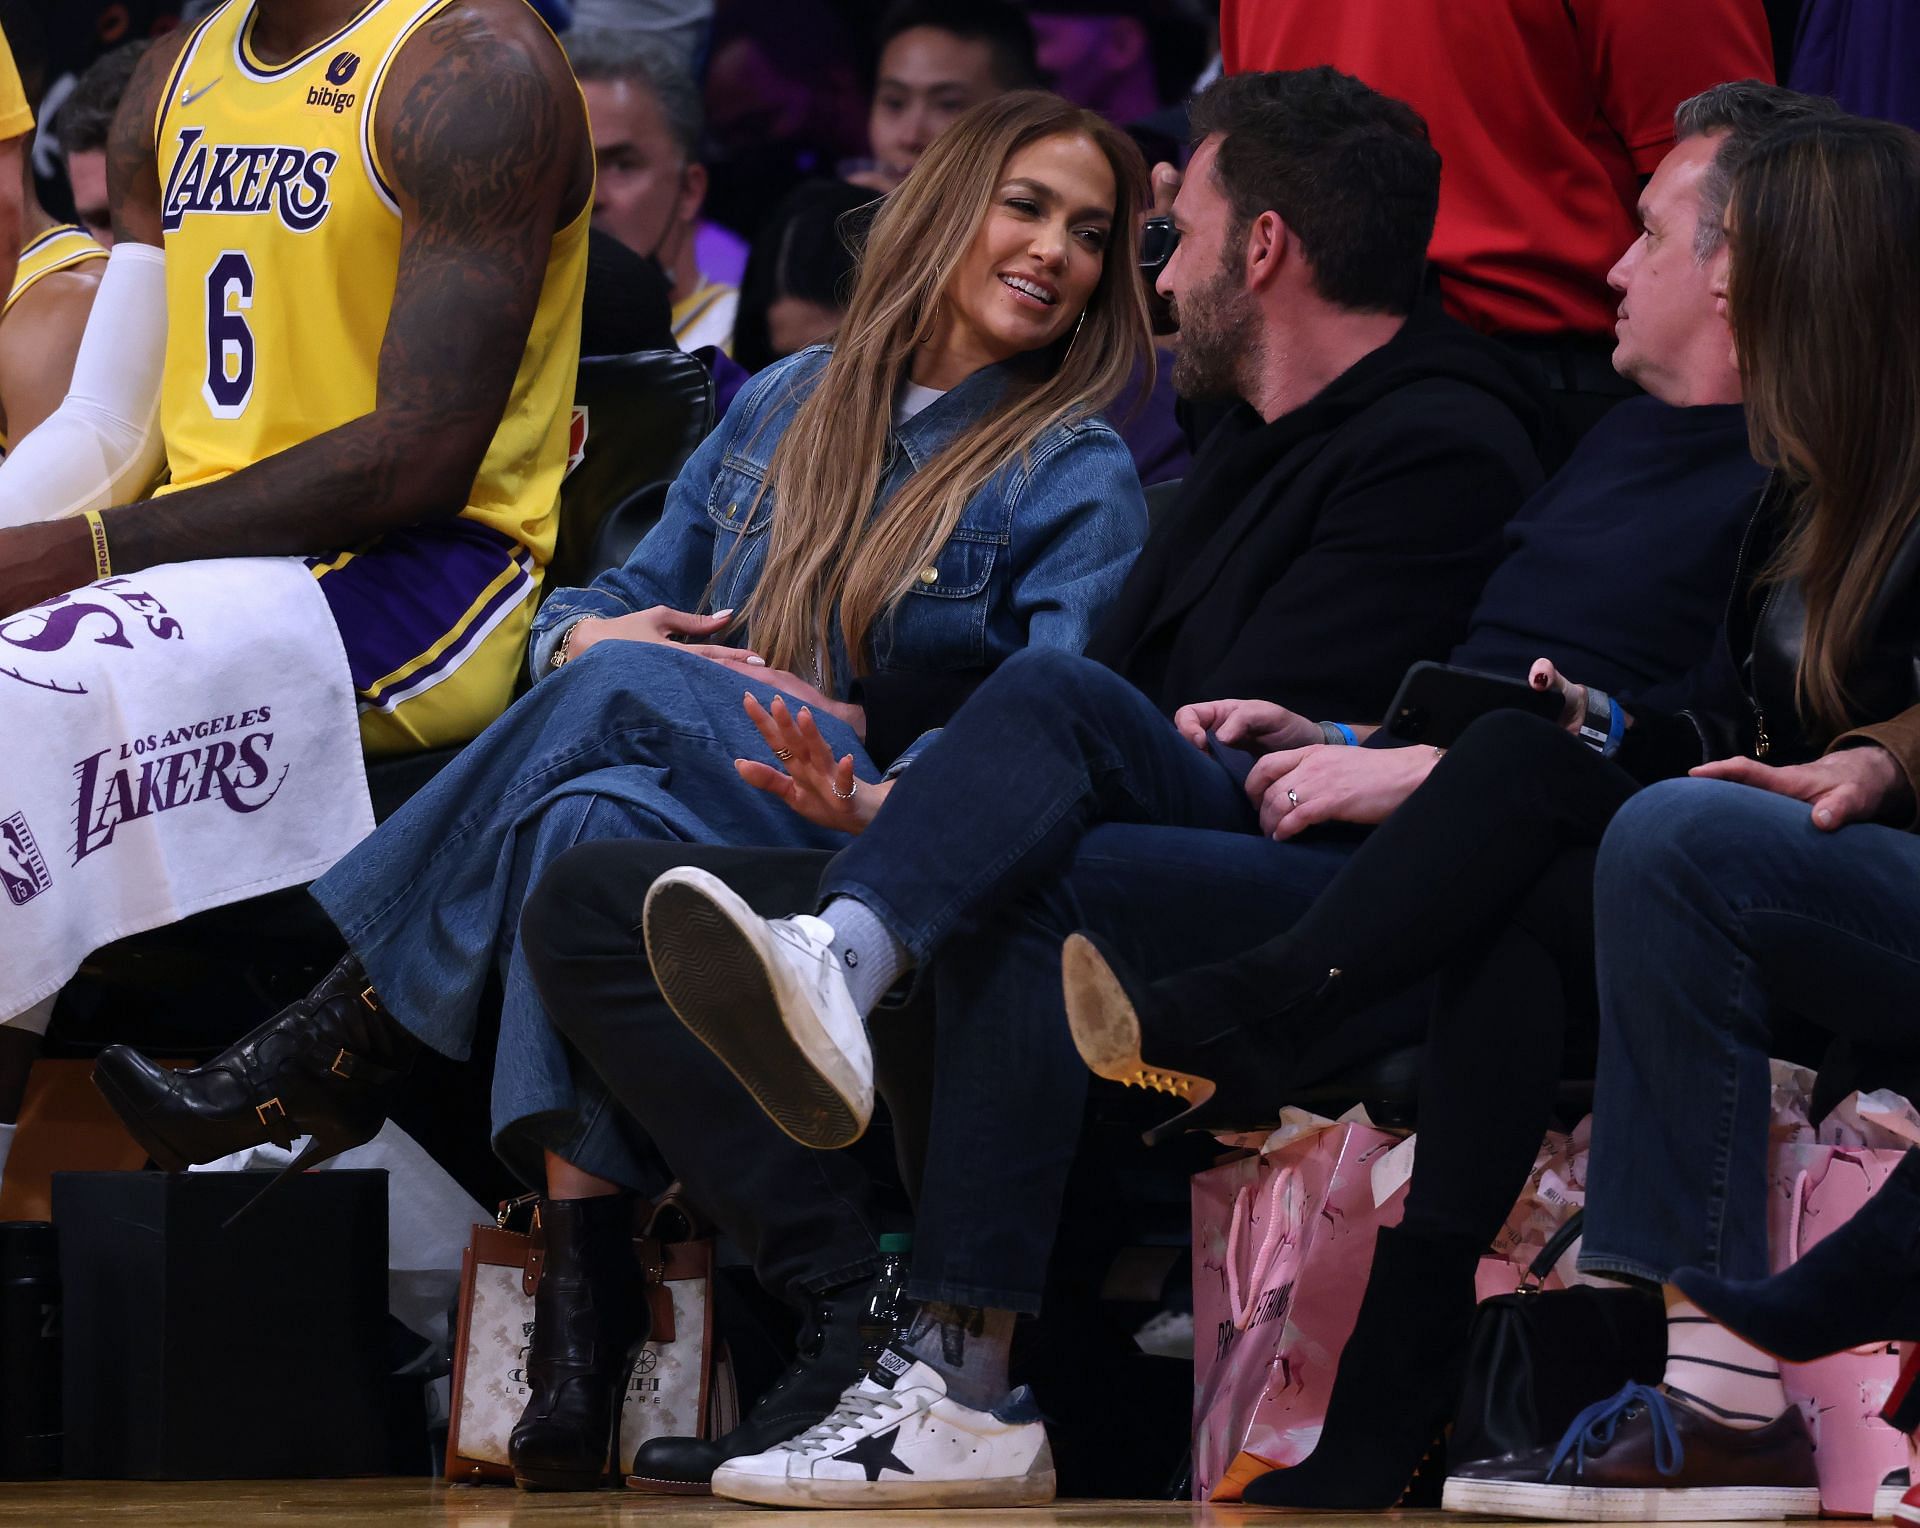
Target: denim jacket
(1038,554)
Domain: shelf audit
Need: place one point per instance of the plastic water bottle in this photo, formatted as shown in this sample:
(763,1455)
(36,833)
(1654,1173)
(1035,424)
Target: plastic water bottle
(888,1299)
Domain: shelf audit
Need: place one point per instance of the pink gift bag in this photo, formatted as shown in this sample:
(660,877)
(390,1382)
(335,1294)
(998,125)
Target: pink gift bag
(1816,1190)
(1282,1245)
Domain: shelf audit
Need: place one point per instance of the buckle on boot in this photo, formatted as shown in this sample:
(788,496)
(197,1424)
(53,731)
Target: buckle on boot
(337,1069)
(273,1104)
(368,997)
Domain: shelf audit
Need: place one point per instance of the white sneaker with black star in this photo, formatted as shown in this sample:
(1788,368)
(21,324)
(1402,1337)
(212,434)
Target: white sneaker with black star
(897,1440)
(769,998)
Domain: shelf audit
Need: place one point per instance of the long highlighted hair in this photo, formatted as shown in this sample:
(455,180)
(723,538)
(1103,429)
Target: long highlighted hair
(1824,297)
(827,550)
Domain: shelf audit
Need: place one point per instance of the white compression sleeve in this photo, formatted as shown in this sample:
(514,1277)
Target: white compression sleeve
(102,446)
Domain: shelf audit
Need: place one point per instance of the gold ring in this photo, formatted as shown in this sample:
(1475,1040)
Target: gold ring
(783,754)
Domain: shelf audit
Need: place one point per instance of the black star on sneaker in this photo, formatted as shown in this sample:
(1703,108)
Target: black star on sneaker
(876,1453)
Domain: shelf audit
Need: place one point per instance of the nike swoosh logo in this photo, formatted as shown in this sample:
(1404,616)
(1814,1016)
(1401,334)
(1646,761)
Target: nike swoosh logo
(188,97)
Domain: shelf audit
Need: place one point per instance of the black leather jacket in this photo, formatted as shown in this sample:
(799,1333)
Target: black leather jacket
(1741,700)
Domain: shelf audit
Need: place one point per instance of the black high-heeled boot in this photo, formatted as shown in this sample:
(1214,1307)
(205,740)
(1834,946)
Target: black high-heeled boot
(589,1311)
(327,1066)
(829,1356)
(1224,1046)
(1398,1383)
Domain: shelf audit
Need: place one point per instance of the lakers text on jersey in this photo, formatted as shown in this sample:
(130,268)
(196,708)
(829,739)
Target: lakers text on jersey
(282,232)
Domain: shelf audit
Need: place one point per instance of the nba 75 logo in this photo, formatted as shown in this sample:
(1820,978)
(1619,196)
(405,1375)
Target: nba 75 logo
(21,866)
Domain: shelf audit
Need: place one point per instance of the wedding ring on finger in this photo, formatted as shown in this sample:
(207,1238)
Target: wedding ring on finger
(846,795)
(783,754)
(1292,799)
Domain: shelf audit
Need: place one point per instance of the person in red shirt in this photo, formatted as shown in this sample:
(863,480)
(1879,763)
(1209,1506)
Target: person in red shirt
(1549,116)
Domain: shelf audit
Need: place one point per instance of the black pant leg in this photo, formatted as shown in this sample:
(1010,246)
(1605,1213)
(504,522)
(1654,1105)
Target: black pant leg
(1504,1020)
(806,1218)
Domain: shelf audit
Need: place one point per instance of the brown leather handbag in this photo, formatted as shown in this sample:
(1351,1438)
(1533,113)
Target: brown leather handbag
(679,1383)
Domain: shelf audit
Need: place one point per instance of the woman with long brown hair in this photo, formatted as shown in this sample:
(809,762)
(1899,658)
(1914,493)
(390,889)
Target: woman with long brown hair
(871,529)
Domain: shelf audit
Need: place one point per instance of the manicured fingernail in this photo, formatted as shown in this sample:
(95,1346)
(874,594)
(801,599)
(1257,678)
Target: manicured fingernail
(722,614)
(756,660)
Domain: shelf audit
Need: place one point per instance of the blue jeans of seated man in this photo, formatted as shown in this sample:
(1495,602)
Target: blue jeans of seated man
(630,740)
(1715,905)
(1058,798)
(1009,1088)
(1048,747)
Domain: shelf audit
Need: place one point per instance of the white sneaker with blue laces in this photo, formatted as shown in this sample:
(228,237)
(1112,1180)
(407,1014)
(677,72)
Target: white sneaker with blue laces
(769,998)
(897,1440)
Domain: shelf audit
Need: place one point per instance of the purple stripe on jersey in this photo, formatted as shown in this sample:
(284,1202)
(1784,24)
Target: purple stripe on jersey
(409,590)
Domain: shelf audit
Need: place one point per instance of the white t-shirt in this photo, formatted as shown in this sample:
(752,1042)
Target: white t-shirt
(913,398)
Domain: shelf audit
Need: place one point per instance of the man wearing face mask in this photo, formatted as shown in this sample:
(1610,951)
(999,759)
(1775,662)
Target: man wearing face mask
(647,124)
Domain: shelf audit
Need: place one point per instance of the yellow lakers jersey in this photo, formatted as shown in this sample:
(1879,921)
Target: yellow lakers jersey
(282,240)
(60,248)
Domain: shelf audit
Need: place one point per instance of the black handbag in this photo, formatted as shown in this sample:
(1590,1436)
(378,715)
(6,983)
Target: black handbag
(1536,1358)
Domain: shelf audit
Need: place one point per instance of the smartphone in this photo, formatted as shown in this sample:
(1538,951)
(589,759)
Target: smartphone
(1438,702)
(1158,240)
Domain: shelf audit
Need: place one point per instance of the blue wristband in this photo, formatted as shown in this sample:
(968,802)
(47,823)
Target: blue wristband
(1347,732)
(1616,729)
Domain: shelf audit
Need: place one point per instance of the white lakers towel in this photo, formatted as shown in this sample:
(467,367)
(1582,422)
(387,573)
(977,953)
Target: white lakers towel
(169,741)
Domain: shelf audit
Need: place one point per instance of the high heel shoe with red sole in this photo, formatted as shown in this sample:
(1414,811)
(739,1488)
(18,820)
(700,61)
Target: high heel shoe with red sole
(1902,1410)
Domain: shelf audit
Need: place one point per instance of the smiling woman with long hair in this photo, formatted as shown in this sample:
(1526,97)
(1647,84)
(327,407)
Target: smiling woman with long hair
(870,530)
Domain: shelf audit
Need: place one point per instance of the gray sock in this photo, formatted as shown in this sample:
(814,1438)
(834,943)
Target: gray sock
(967,1345)
(872,958)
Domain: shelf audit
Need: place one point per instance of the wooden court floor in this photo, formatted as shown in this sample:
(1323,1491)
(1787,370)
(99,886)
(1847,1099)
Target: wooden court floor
(421,1504)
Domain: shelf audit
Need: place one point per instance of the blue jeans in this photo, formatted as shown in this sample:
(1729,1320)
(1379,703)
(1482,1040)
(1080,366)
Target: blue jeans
(1717,905)
(1058,799)
(630,740)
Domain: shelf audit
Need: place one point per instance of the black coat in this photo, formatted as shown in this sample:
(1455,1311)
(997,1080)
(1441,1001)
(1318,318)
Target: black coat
(1310,560)
(1743,699)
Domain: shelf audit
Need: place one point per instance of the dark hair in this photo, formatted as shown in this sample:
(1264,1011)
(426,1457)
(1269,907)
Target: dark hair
(26,36)
(1003,27)
(1824,298)
(1351,172)
(85,118)
(808,247)
(1746,111)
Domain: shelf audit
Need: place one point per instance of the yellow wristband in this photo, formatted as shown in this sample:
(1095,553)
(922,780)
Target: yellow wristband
(102,563)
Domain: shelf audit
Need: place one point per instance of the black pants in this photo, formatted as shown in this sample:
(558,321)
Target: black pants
(1485,876)
(806,1218)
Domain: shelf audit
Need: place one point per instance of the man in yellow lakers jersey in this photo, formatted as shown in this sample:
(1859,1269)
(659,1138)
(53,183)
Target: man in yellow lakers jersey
(43,318)
(350,249)
(46,307)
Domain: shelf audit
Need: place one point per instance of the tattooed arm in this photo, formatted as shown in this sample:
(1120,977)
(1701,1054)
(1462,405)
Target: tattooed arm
(485,135)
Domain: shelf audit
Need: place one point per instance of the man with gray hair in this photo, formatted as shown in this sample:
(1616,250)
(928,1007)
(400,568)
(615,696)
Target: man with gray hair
(647,122)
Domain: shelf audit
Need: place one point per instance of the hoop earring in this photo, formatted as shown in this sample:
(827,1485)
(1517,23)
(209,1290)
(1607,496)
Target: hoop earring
(1079,324)
(933,320)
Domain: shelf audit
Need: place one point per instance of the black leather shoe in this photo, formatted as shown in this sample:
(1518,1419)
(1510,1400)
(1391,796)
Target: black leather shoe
(327,1066)
(589,1311)
(1228,1060)
(829,1357)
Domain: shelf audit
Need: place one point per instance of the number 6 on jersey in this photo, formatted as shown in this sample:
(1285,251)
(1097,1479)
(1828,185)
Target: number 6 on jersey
(229,382)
